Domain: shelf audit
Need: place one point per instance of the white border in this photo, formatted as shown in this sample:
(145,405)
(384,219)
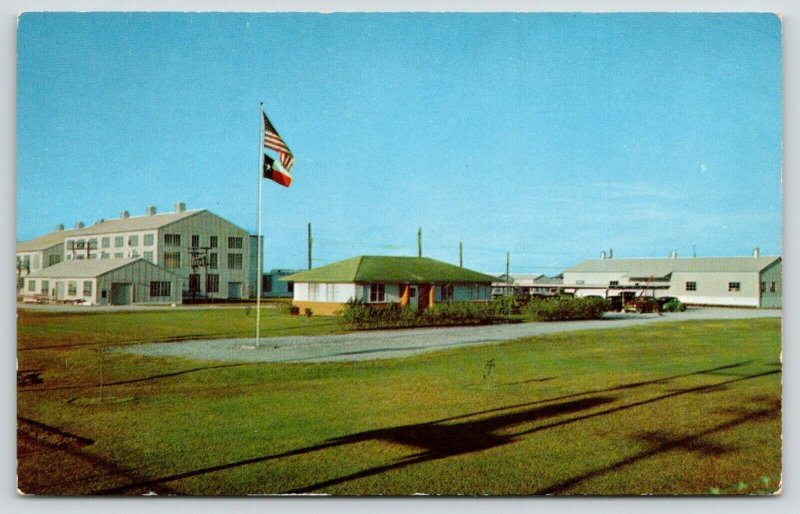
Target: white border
(11,502)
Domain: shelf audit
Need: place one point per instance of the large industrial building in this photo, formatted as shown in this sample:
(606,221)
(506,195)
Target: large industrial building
(211,255)
(724,281)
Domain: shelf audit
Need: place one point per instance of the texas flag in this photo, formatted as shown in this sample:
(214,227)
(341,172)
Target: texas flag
(280,173)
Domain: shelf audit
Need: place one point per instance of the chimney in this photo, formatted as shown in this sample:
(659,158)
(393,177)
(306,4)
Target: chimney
(150,210)
(603,255)
(180,207)
(101,220)
(79,224)
(673,254)
(610,253)
(756,252)
(124,214)
(59,227)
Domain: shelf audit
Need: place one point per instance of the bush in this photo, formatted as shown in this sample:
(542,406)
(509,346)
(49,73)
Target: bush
(359,315)
(564,309)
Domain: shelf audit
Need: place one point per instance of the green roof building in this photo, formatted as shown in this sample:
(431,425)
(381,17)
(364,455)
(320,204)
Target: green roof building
(382,280)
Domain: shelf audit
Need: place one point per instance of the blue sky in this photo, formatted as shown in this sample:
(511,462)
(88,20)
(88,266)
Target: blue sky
(549,136)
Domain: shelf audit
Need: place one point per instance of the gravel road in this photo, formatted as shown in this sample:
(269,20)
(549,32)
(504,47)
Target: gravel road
(388,344)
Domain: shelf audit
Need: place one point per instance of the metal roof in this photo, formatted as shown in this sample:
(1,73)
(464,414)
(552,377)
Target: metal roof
(46,241)
(91,268)
(145,222)
(385,269)
(663,267)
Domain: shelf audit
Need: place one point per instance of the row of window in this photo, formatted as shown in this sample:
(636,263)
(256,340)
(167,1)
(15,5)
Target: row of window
(213,241)
(148,240)
(768,286)
(173,260)
(72,287)
(733,287)
(157,289)
(212,285)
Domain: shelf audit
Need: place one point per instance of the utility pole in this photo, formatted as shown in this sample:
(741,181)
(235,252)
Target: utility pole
(419,242)
(460,255)
(508,283)
(309,246)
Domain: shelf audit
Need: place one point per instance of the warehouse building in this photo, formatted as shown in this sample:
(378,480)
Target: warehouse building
(41,252)
(724,281)
(211,254)
(417,282)
(103,282)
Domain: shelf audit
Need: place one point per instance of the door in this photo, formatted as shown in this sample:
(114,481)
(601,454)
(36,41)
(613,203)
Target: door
(120,294)
(59,290)
(234,290)
(413,297)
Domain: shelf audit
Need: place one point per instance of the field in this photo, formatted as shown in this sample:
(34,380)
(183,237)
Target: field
(670,408)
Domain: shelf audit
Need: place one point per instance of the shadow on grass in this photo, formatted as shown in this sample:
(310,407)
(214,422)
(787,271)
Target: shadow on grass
(662,442)
(463,434)
(150,378)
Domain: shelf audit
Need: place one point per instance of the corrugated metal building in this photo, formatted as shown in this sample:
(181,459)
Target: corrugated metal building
(380,280)
(211,254)
(726,281)
(105,282)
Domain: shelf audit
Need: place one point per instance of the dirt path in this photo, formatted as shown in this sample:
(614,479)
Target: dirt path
(387,344)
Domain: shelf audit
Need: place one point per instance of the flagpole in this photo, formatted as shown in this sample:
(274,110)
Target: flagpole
(259,238)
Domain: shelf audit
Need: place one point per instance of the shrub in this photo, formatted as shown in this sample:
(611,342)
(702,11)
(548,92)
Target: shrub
(359,315)
(564,309)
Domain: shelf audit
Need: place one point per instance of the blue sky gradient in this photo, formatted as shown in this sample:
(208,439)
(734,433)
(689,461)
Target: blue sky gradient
(549,136)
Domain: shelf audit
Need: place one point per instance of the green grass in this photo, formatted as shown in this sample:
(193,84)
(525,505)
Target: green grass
(669,408)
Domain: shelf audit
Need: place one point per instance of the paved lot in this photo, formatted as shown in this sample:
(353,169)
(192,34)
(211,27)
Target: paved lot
(387,344)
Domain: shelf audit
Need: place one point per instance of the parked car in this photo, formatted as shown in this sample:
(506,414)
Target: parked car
(642,304)
(666,299)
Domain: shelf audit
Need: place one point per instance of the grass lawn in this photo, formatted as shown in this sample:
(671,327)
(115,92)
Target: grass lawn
(668,408)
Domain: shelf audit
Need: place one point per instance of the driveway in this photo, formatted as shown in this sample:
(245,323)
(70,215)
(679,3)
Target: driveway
(387,344)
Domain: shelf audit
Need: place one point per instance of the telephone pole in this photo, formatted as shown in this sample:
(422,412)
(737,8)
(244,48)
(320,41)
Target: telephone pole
(419,242)
(309,246)
(460,255)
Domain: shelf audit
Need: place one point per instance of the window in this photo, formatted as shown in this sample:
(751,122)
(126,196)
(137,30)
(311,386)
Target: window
(36,262)
(119,241)
(106,242)
(195,241)
(377,292)
(330,293)
(234,242)
(87,288)
(313,292)
(80,244)
(159,289)
(172,260)
(119,255)
(72,288)
(148,256)
(92,256)
(104,255)
(134,253)
(46,287)
(148,239)
(290,287)
(212,261)
(234,261)
(92,243)
(32,286)
(213,242)
(613,283)
(70,244)
(763,287)
(772,287)
(266,284)
(734,287)
(691,286)
(579,282)
(172,239)
(194,282)
(53,260)
(213,284)
(133,240)
(79,257)
(447,292)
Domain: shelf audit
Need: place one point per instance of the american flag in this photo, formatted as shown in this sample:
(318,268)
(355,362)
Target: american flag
(273,141)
